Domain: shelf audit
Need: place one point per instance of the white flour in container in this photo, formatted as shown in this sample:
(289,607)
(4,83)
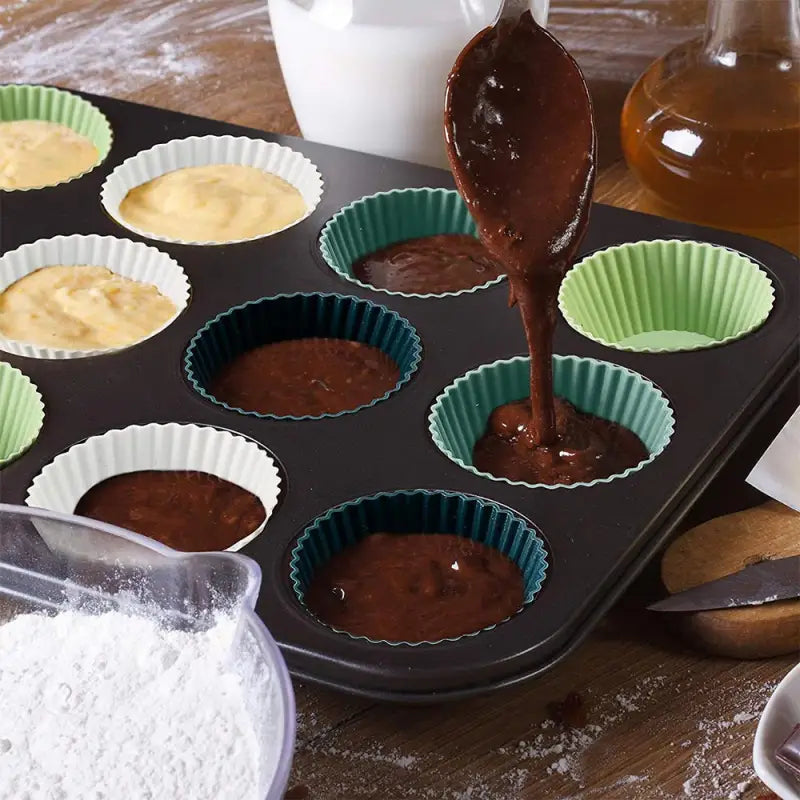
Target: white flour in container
(113,707)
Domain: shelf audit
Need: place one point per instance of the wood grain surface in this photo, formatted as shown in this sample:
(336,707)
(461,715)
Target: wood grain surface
(661,722)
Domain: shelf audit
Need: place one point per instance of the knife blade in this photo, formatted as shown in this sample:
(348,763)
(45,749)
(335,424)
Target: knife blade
(764,582)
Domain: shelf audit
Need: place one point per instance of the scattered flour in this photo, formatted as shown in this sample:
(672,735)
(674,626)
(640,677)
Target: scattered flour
(551,759)
(129,45)
(112,706)
(710,771)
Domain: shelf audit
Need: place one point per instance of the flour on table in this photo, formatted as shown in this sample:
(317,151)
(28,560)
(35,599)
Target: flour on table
(113,706)
(129,45)
(331,763)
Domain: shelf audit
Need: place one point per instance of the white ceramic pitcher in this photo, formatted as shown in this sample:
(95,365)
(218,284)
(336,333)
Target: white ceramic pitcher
(370,74)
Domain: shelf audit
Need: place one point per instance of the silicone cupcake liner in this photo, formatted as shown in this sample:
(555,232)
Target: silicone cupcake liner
(666,295)
(299,316)
(378,220)
(420,511)
(22,102)
(133,260)
(172,446)
(199,151)
(458,417)
(21,413)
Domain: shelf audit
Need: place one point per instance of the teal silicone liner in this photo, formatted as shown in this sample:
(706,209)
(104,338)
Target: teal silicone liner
(299,316)
(381,219)
(419,511)
(459,415)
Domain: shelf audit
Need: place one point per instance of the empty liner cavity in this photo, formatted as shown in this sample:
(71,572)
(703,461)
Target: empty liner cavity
(21,413)
(666,295)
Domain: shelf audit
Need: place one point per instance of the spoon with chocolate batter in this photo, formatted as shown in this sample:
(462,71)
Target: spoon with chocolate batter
(521,142)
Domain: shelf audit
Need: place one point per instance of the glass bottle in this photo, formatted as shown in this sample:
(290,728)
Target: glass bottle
(712,129)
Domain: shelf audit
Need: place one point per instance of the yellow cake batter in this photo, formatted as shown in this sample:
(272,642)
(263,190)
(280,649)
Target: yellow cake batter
(37,153)
(81,308)
(217,203)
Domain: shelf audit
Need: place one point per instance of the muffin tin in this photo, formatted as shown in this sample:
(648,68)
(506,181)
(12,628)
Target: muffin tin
(597,537)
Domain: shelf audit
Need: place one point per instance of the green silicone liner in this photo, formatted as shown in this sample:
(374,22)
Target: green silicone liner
(24,101)
(420,511)
(298,316)
(381,219)
(666,295)
(459,415)
(21,413)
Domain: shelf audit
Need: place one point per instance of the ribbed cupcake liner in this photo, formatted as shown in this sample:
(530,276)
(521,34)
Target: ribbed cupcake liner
(299,316)
(419,511)
(133,260)
(171,446)
(460,413)
(666,295)
(200,151)
(21,413)
(23,102)
(378,220)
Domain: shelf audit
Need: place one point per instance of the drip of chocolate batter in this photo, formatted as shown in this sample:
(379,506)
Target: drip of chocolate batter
(589,448)
(189,511)
(417,587)
(447,262)
(299,377)
(521,142)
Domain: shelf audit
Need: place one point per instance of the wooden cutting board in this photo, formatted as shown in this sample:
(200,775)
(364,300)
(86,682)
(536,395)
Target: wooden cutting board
(725,545)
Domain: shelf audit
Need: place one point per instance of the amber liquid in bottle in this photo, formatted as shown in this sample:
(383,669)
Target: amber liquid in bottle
(714,135)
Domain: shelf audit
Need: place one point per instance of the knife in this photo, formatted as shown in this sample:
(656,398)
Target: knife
(764,582)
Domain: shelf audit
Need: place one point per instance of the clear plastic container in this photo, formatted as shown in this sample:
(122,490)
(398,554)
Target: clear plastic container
(370,74)
(51,561)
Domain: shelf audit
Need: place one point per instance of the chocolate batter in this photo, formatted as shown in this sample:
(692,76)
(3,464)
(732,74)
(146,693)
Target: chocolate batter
(417,587)
(447,262)
(587,448)
(190,511)
(522,145)
(300,377)
(521,142)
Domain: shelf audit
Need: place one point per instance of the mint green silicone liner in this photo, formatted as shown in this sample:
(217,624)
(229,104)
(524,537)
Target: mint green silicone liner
(666,295)
(21,413)
(381,219)
(25,101)
(420,511)
(459,415)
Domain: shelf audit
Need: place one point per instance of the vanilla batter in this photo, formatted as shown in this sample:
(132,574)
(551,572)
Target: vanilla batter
(37,153)
(81,308)
(216,203)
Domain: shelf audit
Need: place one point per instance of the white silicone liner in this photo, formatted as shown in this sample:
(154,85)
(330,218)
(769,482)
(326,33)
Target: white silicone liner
(171,446)
(134,260)
(202,151)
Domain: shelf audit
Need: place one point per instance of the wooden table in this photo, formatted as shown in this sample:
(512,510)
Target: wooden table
(662,721)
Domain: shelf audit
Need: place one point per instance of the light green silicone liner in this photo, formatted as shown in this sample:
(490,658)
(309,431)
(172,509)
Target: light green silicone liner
(459,415)
(666,295)
(21,413)
(378,220)
(23,101)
